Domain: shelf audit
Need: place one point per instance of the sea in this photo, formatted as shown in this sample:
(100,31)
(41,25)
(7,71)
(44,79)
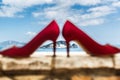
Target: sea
(59,49)
(64,49)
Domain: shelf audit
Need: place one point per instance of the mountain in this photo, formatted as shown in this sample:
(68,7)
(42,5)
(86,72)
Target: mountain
(10,43)
(59,44)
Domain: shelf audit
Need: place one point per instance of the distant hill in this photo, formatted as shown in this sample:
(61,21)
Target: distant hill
(59,44)
(9,43)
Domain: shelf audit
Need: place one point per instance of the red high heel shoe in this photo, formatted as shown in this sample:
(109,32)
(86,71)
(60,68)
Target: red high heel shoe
(71,32)
(51,32)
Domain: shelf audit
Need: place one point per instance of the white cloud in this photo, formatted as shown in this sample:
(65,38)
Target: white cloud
(93,15)
(63,14)
(36,14)
(57,13)
(24,3)
(6,11)
(80,2)
(15,6)
(101,9)
(31,33)
(46,22)
(51,14)
(12,7)
(92,22)
(88,2)
(98,12)
(62,11)
(116,4)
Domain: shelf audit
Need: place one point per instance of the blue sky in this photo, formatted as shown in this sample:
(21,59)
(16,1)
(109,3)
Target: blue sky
(21,20)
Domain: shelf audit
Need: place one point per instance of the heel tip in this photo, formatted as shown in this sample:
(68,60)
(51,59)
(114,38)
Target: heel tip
(54,56)
(68,56)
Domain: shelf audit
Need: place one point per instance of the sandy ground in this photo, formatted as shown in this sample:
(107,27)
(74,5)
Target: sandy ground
(38,54)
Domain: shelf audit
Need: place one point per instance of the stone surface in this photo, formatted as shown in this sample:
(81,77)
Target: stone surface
(60,68)
(106,78)
(40,77)
(116,61)
(0,65)
(5,78)
(46,63)
(76,62)
(76,77)
(30,77)
(43,63)
(47,77)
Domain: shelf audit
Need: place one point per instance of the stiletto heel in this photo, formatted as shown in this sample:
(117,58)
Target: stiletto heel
(54,48)
(68,48)
(71,32)
(51,32)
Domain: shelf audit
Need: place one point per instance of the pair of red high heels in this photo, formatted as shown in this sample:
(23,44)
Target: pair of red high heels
(70,32)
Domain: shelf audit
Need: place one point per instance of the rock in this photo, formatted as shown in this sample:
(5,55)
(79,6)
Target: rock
(5,78)
(60,68)
(117,61)
(76,77)
(106,78)
(30,77)
(77,62)
(40,63)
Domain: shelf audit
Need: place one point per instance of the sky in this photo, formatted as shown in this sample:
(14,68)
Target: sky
(21,20)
